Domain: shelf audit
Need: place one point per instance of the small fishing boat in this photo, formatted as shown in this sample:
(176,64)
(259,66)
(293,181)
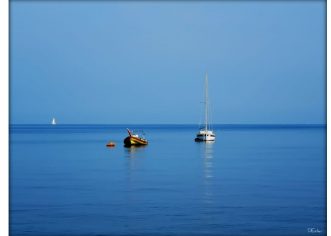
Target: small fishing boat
(205,133)
(135,139)
(110,144)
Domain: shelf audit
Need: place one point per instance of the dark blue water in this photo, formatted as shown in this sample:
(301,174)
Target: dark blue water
(254,180)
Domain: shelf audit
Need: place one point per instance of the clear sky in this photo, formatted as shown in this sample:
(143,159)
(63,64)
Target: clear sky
(142,62)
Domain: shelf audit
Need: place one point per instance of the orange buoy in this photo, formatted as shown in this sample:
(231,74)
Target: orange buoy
(110,144)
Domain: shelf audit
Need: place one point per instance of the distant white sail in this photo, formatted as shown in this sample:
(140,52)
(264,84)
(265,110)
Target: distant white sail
(53,121)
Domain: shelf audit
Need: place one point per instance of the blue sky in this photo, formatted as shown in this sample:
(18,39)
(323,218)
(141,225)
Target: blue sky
(142,62)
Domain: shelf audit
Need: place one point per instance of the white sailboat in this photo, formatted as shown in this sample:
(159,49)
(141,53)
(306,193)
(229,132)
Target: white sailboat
(206,134)
(53,121)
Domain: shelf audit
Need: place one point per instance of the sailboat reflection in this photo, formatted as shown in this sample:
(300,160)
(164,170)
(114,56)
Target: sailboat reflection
(207,156)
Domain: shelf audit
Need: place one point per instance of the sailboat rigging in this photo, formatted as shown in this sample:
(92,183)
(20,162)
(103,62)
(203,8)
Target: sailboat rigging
(206,134)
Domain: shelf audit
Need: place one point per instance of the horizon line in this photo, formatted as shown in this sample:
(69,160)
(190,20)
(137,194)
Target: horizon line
(218,124)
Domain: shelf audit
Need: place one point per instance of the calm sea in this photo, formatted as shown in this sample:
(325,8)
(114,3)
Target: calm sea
(254,180)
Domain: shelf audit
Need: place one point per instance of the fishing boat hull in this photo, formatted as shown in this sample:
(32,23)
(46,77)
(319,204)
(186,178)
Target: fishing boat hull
(134,141)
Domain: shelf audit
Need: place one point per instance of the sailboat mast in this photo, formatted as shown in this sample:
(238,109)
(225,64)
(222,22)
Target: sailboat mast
(206,102)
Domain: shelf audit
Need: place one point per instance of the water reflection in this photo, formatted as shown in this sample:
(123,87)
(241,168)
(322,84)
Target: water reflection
(134,151)
(207,154)
(133,156)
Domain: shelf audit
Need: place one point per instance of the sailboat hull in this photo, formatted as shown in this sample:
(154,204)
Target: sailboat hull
(205,137)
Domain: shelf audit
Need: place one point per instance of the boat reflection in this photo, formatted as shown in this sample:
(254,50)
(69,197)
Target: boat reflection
(134,151)
(207,154)
(133,158)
